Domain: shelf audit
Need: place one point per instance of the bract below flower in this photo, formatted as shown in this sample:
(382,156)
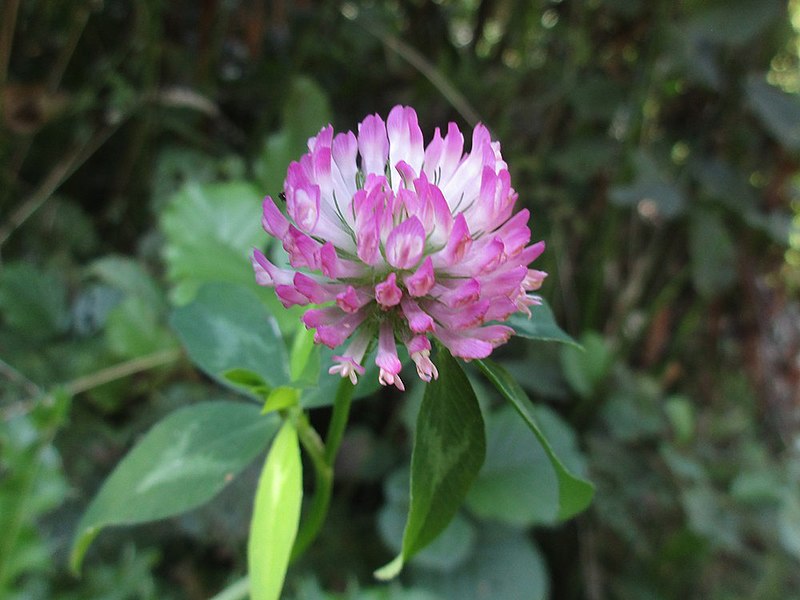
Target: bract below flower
(397,241)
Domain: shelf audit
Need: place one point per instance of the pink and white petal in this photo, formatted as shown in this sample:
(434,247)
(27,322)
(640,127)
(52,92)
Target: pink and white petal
(406,244)
(373,145)
(405,139)
(267,273)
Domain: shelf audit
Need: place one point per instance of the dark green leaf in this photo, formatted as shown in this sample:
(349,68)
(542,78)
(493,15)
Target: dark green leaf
(449,448)
(574,493)
(227,327)
(276,516)
(32,301)
(181,463)
(713,253)
(540,326)
(506,565)
(455,544)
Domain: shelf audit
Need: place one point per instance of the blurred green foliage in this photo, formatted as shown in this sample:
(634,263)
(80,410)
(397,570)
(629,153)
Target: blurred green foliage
(657,145)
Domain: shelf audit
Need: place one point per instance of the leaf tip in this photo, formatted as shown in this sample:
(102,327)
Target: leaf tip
(390,570)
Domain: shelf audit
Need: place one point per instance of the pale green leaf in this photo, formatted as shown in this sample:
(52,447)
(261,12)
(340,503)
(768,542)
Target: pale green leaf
(276,516)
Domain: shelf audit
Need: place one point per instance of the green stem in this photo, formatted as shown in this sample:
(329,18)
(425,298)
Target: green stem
(236,591)
(341,412)
(322,457)
(323,484)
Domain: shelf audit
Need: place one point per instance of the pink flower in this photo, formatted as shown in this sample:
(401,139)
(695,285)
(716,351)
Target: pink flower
(402,242)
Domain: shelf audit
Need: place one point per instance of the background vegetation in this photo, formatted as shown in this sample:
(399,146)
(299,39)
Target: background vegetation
(657,145)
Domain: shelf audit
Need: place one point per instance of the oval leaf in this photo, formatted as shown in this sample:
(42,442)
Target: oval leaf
(276,515)
(181,463)
(574,493)
(449,448)
(227,327)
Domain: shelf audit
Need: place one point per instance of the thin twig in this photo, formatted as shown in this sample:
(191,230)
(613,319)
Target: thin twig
(118,371)
(58,174)
(7,26)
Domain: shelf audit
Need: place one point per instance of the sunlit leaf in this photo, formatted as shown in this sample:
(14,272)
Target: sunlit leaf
(181,463)
(276,516)
(574,493)
(449,448)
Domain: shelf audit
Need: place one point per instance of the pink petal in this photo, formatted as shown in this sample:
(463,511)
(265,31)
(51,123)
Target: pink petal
(418,320)
(422,281)
(387,293)
(272,220)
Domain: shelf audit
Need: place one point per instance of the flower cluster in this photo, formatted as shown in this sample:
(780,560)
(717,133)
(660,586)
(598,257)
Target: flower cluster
(402,241)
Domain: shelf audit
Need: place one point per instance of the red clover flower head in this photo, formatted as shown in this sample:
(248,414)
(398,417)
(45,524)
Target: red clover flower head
(403,242)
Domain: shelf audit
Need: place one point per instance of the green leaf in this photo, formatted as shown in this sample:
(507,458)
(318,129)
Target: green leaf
(210,231)
(280,398)
(449,448)
(181,463)
(133,329)
(517,484)
(586,368)
(653,190)
(450,549)
(713,253)
(778,111)
(276,516)
(129,277)
(227,327)
(541,326)
(33,301)
(574,493)
(505,565)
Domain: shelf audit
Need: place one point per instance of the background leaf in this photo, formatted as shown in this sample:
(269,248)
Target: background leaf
(210,231)
(227,327)
(574,493)
(182,462)
(506,564)
(276,516)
